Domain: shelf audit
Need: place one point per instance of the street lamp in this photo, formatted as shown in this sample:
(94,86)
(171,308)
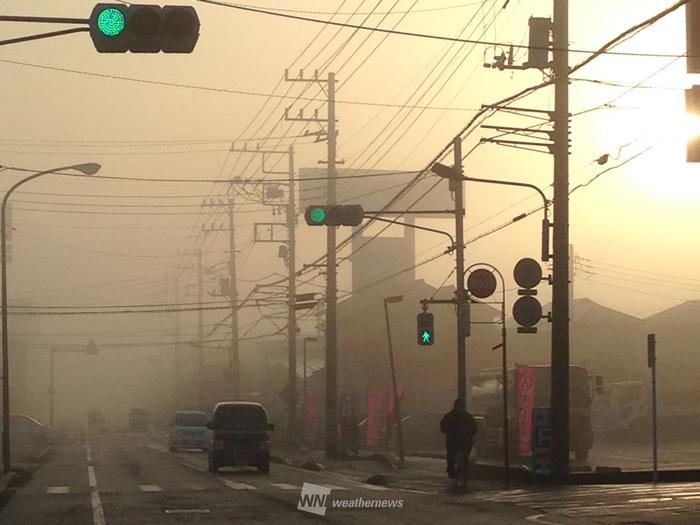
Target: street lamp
(86,169)
(387,300)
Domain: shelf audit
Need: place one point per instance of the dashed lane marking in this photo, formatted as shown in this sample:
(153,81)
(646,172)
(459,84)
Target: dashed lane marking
(237,486)
(59,489)
(91,476)
(150,488)
(286,486)
(372,487)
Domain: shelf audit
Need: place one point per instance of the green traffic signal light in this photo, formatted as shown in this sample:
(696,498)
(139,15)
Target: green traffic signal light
(426,338)
(317,215)
(111,21)
(426,329)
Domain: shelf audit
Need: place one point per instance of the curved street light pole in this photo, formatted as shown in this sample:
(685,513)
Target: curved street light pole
(86,169)
(504,369)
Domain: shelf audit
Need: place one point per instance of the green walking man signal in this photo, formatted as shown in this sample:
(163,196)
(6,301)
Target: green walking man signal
(426,329)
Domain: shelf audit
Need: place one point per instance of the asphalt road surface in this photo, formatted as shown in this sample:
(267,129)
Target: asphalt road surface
(127,478)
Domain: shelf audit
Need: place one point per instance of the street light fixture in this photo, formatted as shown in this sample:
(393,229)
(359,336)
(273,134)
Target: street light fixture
(89,168)
(387,301)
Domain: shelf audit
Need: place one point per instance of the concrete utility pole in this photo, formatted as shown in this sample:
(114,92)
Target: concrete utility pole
(331,265)
(177,358)
(234,359)
(331,288)
(457,185)
(292,292)
(560,282)
(232,291)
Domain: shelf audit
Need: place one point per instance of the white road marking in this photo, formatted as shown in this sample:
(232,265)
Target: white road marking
(332,487)
(537,518)
(150,488)
(91,476)
(187,511)
(98,513)
(372,487)
(59,489)
(237,486)
(648,500)
(286,486)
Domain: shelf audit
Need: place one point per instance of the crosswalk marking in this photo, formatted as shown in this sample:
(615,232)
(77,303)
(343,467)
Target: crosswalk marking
(286,486)
(150,488)
(59,489)
(237,486)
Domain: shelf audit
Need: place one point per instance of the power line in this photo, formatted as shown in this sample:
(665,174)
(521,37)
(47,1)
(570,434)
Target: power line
(391,12)
(428,35)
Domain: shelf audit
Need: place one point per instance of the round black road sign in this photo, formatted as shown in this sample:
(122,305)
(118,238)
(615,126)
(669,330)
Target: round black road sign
(527,311)
(527,273)
(481,283)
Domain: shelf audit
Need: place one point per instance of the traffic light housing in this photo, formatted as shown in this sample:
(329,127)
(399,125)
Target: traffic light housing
(527,311)
(426,329)
(141,28)
(692,107)
(334,215)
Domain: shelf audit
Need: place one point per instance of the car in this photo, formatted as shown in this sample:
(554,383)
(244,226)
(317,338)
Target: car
(28,436)
(188,429)
(240,436)
(138,420)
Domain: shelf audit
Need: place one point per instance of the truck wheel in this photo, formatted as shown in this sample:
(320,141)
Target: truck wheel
(264,466)
(213,467)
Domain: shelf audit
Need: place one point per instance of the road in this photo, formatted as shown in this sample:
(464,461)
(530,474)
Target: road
(119,478)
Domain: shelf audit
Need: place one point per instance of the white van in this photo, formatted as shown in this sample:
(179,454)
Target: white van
(188,429)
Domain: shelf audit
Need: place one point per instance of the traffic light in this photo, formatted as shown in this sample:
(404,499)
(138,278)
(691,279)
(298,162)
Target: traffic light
(692,34)
(334,215)
(692,108)
(426,329)
(527,311)
(140,28)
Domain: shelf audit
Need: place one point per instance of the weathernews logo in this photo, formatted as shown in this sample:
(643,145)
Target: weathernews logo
(314,499)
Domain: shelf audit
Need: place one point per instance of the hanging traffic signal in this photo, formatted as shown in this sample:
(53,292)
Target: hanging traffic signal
(141,28)
(334,215)
(426,329)
(692,108)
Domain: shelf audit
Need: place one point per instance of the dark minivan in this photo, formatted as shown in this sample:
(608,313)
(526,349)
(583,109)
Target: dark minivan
(239,436)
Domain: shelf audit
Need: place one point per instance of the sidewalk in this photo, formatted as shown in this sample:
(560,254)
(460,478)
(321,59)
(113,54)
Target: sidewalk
(418,472)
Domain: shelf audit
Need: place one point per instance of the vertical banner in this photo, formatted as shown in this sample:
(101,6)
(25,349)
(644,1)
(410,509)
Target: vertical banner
(375,418)
(391,419)
(525,377)
(310,419)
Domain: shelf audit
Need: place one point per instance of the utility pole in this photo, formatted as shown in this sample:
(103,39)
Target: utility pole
(177,361)
(331,264)
(234,359)
(331,289)
(291,298)
(560,277)
(231,290)
(457,186)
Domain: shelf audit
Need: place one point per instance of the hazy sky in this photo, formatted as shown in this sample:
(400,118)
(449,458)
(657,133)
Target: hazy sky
(57,110)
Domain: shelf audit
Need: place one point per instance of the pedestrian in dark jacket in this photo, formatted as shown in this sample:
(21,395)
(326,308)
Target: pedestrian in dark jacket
(459,428)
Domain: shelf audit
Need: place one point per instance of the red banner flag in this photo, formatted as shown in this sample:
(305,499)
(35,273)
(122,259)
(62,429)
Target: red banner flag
(375,418)
(526,378)
(310,423)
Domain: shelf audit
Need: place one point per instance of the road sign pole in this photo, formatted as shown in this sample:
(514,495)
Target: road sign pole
(651,356)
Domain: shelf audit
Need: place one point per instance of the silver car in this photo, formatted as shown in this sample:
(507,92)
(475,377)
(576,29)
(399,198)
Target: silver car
(188,429)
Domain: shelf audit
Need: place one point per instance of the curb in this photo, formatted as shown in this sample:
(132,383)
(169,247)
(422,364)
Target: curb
(6,481)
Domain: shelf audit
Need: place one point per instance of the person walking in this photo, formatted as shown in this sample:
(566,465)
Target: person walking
(459,427)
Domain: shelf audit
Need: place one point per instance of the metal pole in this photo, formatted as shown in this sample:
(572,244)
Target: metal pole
(304,384)
(397,402)
(86,169)
(331,289)
(200,330)
(651,350)
(560,283)
(51,388)
(177,364)
(458,187)
(234,362)
(504,369)
(291,312)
